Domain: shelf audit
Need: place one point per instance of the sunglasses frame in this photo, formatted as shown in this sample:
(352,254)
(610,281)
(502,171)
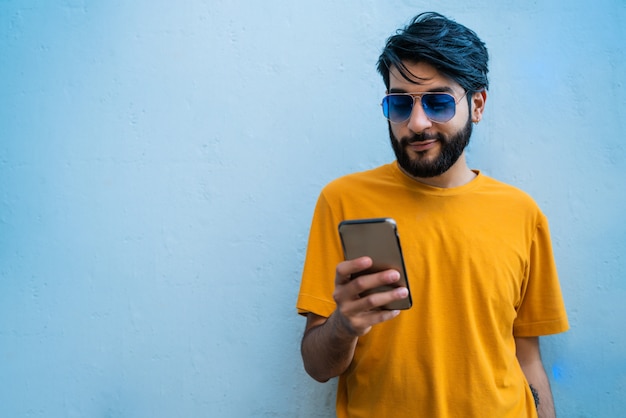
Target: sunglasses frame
(421,95)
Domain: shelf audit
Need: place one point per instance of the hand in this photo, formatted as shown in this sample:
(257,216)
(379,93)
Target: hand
(358,314)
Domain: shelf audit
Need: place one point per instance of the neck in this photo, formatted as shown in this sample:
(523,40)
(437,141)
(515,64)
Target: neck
(457,175)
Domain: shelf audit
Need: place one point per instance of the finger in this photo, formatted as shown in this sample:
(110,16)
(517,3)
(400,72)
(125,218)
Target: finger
(375,301)
(352,290)
(382,316)
(346,269)
(370,281)
(361,324)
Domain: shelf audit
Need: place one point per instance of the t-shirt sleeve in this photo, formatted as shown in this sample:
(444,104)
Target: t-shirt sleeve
(322,256)
(542,310)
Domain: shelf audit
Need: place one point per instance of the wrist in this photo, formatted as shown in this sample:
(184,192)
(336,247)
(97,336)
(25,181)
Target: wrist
(342,330)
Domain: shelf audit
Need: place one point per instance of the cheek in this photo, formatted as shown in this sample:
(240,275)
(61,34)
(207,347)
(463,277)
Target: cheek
(462,113)
(458,121)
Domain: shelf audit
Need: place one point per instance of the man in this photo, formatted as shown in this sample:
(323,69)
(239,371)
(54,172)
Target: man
(477,252)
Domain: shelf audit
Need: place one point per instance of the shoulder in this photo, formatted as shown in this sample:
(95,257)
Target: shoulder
(508,191)
(511,199)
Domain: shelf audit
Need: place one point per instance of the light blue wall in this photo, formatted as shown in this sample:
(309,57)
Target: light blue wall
(159,163)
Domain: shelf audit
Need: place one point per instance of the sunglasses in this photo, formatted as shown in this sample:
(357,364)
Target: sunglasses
(438,107)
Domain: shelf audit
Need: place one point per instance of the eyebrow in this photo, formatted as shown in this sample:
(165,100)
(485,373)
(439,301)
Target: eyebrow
(442,89)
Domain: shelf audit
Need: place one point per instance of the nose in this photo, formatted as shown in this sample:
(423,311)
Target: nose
(418,122)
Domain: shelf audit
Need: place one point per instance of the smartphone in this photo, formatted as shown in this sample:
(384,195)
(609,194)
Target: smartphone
(378,239)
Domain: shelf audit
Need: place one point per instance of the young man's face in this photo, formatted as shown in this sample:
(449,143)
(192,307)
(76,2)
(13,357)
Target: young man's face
(425,148)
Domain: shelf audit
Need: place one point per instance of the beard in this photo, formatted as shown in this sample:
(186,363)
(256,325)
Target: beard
(451,149)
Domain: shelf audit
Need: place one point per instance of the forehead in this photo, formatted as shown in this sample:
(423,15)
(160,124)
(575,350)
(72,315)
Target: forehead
(422,77)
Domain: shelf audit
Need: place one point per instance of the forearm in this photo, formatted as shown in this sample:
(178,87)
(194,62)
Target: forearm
(327,350)
(543,394)
(529,358)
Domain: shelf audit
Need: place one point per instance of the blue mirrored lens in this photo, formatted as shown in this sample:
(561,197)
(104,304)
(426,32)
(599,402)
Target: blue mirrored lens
(439,107)
(397,108)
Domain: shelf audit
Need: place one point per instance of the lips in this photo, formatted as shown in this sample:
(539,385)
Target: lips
(422,145)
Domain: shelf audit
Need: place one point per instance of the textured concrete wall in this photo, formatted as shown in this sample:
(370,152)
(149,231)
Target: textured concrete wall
(159,163)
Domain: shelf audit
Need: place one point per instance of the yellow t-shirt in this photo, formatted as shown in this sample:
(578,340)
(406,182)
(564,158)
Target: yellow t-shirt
(481,271)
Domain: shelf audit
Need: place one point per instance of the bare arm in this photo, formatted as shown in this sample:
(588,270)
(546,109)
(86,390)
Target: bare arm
(328,344)
(529,357)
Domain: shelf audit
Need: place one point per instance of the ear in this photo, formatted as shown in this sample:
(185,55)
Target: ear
(478,105)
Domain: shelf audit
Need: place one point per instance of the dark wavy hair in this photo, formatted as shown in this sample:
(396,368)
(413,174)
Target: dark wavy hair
(453,49)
